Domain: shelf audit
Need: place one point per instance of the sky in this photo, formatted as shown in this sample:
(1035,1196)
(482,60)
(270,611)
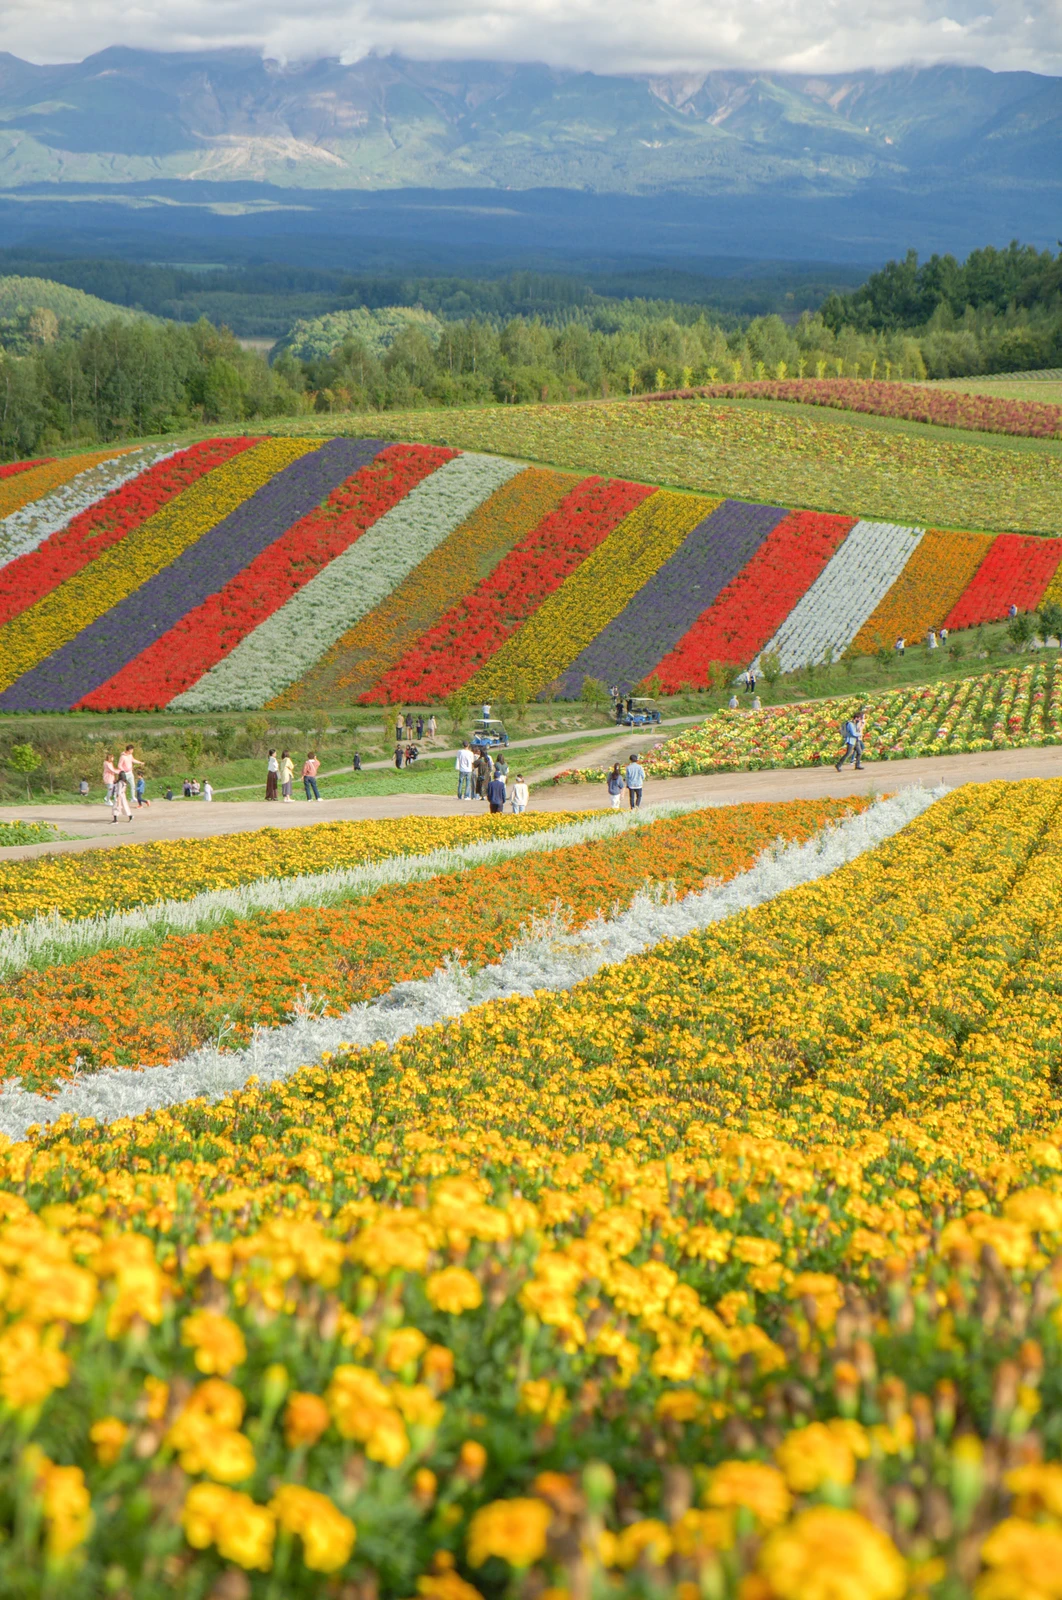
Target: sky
(653,36)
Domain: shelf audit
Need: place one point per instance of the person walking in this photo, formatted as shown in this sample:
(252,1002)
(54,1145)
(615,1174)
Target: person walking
(400,728)
(357,761)
(126,762)
(272,775)
(496,794)
(942,635)
(110,778)
(520,795)
(501,765)
(400,757)
(931,639)
(853,749)
(287,776)
(750,681)
(310,768)
(900,645)
(484,769)
(208,792)
(614,785)
(420,726)
(141,792)
(432,726)
(409,725)
(634,778)
(463,767)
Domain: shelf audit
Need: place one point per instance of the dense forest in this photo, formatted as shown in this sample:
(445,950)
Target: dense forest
(999,311)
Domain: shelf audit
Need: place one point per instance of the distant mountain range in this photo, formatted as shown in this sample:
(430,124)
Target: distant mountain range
(127,116)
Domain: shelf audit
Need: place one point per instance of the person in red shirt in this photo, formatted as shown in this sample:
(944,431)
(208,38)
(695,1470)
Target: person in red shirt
(310,768)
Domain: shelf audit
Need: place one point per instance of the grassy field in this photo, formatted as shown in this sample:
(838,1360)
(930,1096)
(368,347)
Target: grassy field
(792,455)
(1046,390)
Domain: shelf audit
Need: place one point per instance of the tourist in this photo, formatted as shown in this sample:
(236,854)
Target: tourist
(634,778)
(187,788)
(432,726)
(614,785)
(496,794)
(400,728)
(931,639)
(463,767)
(110,778)
(287,776)
(409,725)
(484,768)
(420,726)
(757,703)
(900,645)
(750,681)
(126,762)
(169,792)
(501,765)
(853,747)
(310,768)
(400,756)
(83,788)
(141,792)
(195,787)
(732,703)
(272,775)
(357,761)
(208,792)
(1012,610)
(942,635)
(520,795)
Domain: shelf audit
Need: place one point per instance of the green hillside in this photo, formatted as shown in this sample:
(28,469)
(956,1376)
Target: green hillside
(35,311)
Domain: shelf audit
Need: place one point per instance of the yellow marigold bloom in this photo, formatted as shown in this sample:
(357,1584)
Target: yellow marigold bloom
(446,1586)
(1040,1209)
(1025,1559)
(53,1291)
(220,1401)
(647,1538)
(305,1419)
(108,1437)
(386,1247)
(824,1291)
(815,1455)
(404,1346)
(327,1536)
(437,1368)
(218,1343)
(157,1398)
(205,1434)
(140,1291)
(418,1405)
(243,1531)
(30,1366)
(678,1405)
(751,1485)
(472,1460)
(514,1530)
(830,1554)
(454,1289)
(540,1398)
(66,1504)
(362,1409)
(425,1486)
(1037,1488)
(696,1532)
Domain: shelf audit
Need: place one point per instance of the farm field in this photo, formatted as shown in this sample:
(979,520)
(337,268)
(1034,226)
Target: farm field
(704,1249)
(1010,708)
(246,574)
(819,459)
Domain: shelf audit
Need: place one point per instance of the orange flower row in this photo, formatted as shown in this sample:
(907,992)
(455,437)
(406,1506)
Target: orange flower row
(924,593)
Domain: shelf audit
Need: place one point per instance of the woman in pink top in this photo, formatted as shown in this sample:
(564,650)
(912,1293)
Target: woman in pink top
(115,786)
(311,767)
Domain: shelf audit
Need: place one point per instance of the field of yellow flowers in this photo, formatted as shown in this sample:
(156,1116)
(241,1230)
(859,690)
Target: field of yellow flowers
(830,465)
(735,1272)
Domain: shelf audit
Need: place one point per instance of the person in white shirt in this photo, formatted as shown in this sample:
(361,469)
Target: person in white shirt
(208,793)
(520,795)
(463,767)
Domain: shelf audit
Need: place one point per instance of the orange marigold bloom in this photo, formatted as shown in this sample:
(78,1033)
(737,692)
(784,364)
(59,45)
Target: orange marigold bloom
(830,1554)
(454,1289)
(751,1485)
(218,1343)
(328,1537)
(1025,1561)
(514,1530)
(108,1437)
(305,1419)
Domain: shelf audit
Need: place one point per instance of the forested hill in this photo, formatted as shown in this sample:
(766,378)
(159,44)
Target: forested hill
(39,311)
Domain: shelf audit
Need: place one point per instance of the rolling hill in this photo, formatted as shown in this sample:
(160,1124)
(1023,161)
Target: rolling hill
(73,311)
(244,572)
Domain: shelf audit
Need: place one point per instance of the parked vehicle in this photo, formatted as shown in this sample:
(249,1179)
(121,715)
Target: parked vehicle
(636,711)
(488,734)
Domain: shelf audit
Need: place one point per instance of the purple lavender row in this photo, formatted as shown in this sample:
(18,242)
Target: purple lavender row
(113,640)
(665,608)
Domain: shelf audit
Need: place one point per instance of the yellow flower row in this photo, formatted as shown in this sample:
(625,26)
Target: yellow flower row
(63,612)
(22,487)
(586,602)
(101,881)
(731,1269)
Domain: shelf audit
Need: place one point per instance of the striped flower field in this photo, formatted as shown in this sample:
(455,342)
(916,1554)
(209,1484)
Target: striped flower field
(238,573)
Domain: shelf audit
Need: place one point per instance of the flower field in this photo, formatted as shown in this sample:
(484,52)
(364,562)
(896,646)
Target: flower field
(983,413)
(246,572)
(730,1271)
(1010,709)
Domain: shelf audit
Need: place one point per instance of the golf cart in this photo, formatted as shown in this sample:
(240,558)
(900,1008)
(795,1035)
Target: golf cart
(488,734)
(637,711)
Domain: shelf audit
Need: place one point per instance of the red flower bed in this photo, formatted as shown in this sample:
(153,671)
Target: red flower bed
(983,413)
(25,580)
(9,468)
(181,655)
(1016,571)
(471,631)
(752,607)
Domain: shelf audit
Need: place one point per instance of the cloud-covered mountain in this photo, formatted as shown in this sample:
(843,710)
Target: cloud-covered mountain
(128,116)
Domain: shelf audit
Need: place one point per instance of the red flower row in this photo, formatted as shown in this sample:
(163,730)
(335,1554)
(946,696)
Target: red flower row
(180,656)
(983,413)
(472,630)
(1016,571)
(26,580)
(9,468)
(756,603)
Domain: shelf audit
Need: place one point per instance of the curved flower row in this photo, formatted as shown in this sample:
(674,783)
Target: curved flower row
(366,652)
(595,593)
(449,654)
(1015,571)
(9,469)
(43,477)
(25,530)
(729,1272)
(27,578)
(129,1007)
(59,616)
(939,571)
(289,642)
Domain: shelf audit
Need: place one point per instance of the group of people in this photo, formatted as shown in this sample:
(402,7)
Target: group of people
(121,784)
(406,727)
(280,776)
(482,777)
(936,638)
(632,779)
(852,734)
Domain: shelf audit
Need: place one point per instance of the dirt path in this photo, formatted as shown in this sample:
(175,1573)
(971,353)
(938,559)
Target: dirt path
(186,819)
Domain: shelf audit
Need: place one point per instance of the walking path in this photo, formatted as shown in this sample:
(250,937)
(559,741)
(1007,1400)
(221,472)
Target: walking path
(193,819)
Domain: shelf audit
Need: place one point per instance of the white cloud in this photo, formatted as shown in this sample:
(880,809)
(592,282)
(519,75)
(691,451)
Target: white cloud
(597,35)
